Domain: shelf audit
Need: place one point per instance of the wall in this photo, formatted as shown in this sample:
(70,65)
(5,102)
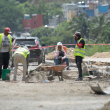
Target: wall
(91,5)
(35,22)
(71,14)
(90,12)
(103,9)
(82,8)
(66,7)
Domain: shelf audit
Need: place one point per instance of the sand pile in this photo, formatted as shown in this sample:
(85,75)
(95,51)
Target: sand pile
(101,55)
(101,63)
(50,56)
(106,107)
(70,55)
(38,74)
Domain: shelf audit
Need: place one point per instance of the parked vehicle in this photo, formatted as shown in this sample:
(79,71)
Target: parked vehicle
(31,43)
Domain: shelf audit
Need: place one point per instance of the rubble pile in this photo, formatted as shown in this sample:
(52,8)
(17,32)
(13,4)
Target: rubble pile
(50,56)
(38,74)
(70,55)
(101,55)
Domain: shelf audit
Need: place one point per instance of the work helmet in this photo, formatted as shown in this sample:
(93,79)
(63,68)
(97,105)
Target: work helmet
(59,43)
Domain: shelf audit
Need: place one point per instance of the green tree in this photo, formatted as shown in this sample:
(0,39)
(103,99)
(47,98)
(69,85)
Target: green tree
(11,16)
(80,23)
(42,9)
(99,24)
(22,1)
(41,32)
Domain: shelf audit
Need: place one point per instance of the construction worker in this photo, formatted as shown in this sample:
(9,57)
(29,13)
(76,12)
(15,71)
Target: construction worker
(5,49)
(60,55)
(21,55)
(79,53)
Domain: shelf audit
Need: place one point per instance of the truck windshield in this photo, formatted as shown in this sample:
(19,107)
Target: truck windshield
(25,41)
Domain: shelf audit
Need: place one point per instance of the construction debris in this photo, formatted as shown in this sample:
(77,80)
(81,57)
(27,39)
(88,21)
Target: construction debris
(98,90)
(40,75)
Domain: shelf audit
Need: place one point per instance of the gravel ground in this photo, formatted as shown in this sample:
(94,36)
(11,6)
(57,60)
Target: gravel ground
(56,95)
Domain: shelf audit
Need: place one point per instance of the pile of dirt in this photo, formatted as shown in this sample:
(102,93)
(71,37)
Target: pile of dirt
(101,55)
(101,63)
(38,74)
(106,107)
(70,55)
(50,56)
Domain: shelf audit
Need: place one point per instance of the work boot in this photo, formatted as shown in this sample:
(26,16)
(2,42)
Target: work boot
(27,73)
(79,79)
(67,68)
(23,79)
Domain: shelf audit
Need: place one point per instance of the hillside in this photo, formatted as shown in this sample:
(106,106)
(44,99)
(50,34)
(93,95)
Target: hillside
(47,1)
(35,2)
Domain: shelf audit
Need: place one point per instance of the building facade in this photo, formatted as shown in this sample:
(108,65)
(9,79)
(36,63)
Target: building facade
(54,22)
(71,14)
(35,22)
(66,7)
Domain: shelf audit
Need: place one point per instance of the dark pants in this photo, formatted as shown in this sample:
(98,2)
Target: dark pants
(78,60)
(4,61)
(27,60)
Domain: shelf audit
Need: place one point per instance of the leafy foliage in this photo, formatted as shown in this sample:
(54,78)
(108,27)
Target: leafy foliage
(11,16)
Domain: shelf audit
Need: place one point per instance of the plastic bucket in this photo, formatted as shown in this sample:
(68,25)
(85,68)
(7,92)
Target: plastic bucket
(5,74)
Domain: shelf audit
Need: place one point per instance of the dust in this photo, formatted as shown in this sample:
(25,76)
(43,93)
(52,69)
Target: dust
(70,55)
(106,106)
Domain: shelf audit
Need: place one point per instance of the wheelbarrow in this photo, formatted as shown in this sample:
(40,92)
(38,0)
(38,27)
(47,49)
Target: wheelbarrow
(55,71)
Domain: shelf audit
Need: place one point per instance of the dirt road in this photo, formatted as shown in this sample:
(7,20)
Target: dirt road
(66,95)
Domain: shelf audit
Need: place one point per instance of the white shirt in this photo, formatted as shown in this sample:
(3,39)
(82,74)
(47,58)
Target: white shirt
(5,44)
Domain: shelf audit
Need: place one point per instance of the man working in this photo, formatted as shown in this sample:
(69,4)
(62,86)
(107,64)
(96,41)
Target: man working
(21,55)
(60,55)
(5,49)
(79,53)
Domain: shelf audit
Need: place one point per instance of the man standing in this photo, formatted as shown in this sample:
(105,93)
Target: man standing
(79,53)
(5,49)
(21,55)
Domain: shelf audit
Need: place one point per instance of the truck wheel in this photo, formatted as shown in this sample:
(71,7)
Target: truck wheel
(39,61)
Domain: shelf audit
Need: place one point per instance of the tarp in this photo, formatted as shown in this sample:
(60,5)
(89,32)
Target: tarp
(90,12)
(103,9)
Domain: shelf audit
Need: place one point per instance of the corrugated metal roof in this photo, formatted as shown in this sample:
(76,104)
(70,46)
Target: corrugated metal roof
(85,6)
